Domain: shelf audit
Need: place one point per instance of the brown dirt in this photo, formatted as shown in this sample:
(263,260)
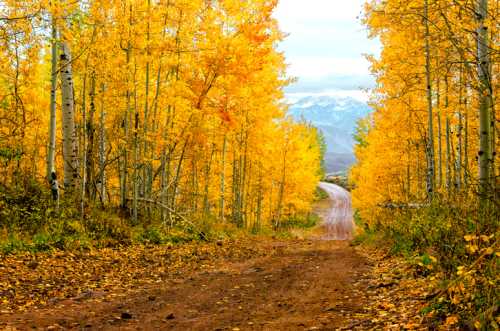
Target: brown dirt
(306,285)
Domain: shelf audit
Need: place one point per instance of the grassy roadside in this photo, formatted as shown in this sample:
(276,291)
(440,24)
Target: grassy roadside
(454,273)
(30,223)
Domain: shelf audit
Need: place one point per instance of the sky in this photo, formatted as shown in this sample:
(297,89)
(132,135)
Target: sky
(325,47)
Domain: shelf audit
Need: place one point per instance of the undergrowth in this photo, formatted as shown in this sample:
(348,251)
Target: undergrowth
(457,247)
(30,222)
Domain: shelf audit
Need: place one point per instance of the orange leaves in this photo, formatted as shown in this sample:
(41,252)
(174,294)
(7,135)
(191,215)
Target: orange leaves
(30,281)
(180,79)
(225,116)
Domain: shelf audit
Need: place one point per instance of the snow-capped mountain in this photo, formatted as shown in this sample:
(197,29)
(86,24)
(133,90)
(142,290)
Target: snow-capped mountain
(336,117)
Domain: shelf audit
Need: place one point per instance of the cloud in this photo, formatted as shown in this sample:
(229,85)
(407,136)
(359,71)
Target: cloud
(317,10)
(363,96)
(330,83)
(314,67)
(325,44)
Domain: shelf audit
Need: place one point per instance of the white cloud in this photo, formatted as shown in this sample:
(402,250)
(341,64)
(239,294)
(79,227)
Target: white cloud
(290,11)
(314,67)
(360,95)
(326,42)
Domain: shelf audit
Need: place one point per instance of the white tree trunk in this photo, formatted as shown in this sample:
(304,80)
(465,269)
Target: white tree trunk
(53,90)
(102,149)
(223,179)
(70,149)
(430,140)
(484,72)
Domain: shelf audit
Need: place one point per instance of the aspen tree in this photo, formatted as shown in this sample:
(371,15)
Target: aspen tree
(102,148)
(90,134)
(430,139)
(484,73)
(53,111)
(70,152)
(223,179)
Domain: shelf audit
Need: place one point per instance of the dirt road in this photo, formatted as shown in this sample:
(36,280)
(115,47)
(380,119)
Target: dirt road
(337,215)
(305,285)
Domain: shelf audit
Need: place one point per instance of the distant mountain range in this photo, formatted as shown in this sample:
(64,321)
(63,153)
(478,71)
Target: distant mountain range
(336,117)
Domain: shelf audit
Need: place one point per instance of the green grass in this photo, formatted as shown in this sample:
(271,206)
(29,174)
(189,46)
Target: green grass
(320,194)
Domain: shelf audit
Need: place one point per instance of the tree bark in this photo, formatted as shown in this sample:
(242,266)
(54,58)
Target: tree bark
(484,72)
(430,139)
(440,144)
(223,179)
(70,153)
(53,90)
(448,157)
(90,130)
(102,149)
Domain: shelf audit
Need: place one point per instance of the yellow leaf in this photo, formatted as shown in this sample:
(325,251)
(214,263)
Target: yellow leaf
(469,238)
(488,251)
(451,320)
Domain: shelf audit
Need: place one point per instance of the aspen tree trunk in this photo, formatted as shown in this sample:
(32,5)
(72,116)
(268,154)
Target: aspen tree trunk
(408,179)
(154,128)
(70,152)
(102,149)
(458,164)
(459,133)
(466,139)
(147,165)
(89,164)
(430,140)
(53,87)
(281,193)
(259,202)
(448,137)
(484,71)
(163,183)
(194,184)
(453,162)
(124,147)
(177,176)
(248,200)
(448,157)
(440,136)
(126,124)
(417,168)
(233,186)
(166,156)
(271,208)
(242,185)
(236,189)
(223,179)
(84,145)
(206,205)
(135,205)
(135,198)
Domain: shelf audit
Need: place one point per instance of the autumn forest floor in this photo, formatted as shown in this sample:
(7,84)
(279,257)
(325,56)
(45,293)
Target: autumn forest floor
(252,284)
(280,285)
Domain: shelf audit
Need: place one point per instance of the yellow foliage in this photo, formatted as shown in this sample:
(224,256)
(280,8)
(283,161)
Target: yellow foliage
(183,103)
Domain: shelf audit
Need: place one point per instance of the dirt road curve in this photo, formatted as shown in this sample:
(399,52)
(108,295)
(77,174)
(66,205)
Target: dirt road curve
(306,285)
(338,220)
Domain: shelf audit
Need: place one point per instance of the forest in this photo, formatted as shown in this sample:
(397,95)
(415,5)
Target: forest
(428,171)
(154,110)
(151,176)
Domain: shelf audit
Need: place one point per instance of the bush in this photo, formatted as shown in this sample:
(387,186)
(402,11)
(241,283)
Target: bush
(320,194)
(300,221)
(455,243)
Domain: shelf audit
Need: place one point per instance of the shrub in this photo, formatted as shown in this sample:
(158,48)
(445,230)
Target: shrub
(300,221)
(456,243)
